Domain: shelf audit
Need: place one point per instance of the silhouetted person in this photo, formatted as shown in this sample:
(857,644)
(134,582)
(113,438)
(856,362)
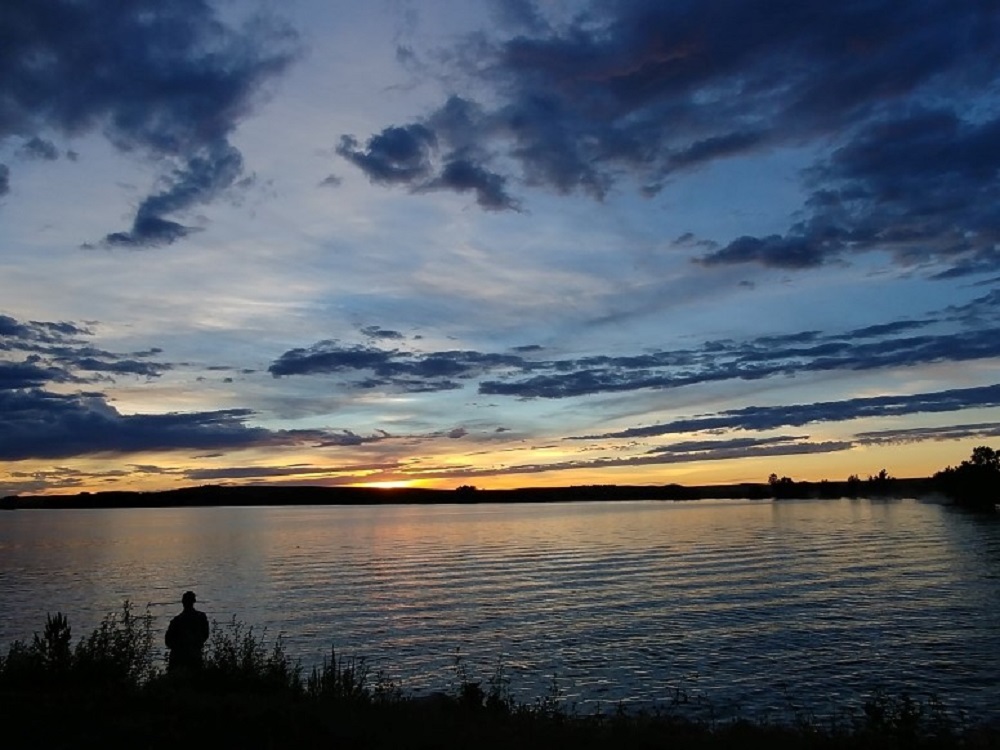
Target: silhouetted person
(186,635)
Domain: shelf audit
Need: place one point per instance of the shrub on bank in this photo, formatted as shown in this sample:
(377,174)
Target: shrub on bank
(117,654)
(111,689)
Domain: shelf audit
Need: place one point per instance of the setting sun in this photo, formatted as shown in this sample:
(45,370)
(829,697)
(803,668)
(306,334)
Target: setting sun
(388,485)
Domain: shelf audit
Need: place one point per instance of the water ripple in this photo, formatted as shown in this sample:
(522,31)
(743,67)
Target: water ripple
(760,606)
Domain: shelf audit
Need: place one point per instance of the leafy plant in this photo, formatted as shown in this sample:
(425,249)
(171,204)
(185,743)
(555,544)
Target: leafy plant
(119,652)
(236,657)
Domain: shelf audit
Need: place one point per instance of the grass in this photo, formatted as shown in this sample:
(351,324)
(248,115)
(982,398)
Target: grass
(111,689)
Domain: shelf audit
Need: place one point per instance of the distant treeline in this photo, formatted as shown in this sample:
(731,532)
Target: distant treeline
(224,495)
(973,483)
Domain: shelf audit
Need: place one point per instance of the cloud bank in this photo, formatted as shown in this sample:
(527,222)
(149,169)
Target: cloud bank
(37,421)
(640,91)
(525,373)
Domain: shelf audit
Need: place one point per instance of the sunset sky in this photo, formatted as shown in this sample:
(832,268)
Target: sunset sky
(501,243)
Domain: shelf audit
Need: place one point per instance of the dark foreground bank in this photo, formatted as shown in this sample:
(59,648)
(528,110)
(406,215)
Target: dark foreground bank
(109,690)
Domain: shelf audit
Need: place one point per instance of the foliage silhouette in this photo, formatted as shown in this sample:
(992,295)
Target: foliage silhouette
(976,481)
(236,658)
(117,655)
(250,694)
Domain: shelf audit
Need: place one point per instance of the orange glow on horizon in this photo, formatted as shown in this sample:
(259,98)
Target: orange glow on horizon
(388,485)
(493,470)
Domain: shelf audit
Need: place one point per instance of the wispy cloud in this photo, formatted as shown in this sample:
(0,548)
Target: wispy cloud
(796,415)
(983,431)
(390,368)
(717,450)
(37,422)
(896,344)
(61,352)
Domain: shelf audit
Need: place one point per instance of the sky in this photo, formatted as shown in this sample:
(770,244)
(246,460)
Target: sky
(500,243)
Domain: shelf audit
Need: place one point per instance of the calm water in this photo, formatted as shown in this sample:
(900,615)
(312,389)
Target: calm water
(755,606)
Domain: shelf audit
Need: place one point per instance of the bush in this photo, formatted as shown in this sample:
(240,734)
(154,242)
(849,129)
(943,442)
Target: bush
(118,654)
(237,658)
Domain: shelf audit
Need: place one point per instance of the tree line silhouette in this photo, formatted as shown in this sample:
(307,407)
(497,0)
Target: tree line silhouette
(974,483)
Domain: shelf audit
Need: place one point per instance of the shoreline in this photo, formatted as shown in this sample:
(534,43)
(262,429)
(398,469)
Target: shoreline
(249,693)
(262,495)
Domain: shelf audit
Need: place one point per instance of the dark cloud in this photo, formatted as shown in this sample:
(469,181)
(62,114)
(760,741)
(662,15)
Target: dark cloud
(717,450)
(349,438)
(55,478)
(642,89)
(169,80)
(522,375)
(715,147)
(29,374)
(773,250)
(202,176)
(298,473)
(19,334)
(881,330)
(122,367)
(243,472)
(981,311)
(408,156)
(797,415)
(35,423)
(397,155)
(985,431)
(377,332)
(59,352)
(40,424)
(922,186)
(330,357)
(4,179)
(253,472)
(749,360)
(390,368)
(39,148)
(462,175)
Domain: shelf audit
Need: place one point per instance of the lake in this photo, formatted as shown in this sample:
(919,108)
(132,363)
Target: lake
(756,606)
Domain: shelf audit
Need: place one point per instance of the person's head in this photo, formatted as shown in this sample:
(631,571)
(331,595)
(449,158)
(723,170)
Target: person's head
(188,599)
